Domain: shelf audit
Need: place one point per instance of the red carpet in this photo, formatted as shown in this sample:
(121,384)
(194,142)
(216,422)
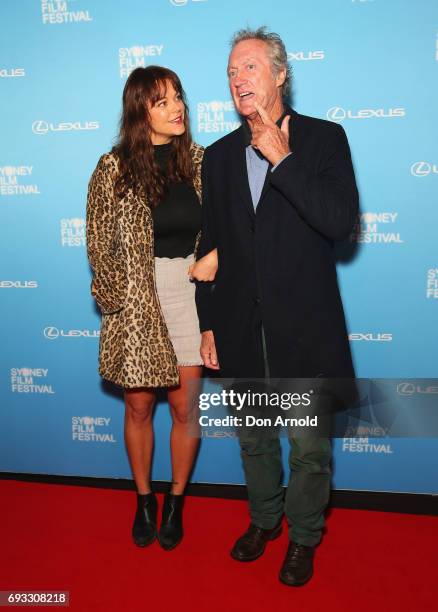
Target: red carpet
(78,539)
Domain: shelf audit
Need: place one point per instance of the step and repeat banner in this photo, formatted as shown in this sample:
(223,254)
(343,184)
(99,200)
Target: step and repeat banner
(370,65)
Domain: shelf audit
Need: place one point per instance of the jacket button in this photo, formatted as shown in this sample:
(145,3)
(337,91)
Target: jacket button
(257,300)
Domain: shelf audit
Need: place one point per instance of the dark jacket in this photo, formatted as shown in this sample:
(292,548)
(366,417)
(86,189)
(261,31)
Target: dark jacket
(277,265)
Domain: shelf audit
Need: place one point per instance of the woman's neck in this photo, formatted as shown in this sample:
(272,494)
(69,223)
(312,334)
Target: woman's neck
(157,139)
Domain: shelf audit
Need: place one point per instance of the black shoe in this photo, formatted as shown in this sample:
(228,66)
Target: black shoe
(144,529)
(297,566)
(253,542)
(171,529)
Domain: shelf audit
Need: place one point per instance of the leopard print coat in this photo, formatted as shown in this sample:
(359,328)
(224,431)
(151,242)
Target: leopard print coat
(135,349)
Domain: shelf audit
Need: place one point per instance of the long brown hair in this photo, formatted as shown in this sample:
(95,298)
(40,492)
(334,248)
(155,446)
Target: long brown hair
(138,170)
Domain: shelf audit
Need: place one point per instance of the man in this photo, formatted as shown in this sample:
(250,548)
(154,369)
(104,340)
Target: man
(277,193)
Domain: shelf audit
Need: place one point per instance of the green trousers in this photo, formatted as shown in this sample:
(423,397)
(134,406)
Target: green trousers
(307,493)
(308,490)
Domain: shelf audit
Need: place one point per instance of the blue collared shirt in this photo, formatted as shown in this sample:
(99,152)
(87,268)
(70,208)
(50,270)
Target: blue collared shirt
(257,168)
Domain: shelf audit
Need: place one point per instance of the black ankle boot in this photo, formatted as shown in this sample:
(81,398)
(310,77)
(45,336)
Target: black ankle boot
(144,529)
(171,530)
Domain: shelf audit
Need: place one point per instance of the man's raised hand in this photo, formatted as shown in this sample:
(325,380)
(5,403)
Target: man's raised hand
(268,138)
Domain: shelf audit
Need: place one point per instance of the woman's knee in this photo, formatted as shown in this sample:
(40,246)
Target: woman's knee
(181,414)
(139,407)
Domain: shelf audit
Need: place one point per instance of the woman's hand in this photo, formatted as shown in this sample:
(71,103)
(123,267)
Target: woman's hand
(205,268)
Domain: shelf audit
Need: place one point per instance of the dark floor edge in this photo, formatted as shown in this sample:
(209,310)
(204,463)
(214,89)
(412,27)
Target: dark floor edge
(384,501)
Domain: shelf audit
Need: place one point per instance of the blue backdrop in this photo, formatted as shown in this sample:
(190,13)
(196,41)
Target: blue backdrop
(369,64)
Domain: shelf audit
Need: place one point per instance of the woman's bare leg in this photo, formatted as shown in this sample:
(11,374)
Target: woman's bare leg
(139,435)
(183,442)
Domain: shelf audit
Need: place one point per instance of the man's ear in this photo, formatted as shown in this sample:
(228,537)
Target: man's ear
(280,78)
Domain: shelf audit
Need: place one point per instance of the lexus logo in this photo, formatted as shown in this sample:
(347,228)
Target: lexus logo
(423,168)
(43,127)
(405,388)
(183,2)
(371,337)
(336,114)
(40,127)
(51,333)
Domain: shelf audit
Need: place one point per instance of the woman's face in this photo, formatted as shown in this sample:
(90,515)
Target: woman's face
(167,116)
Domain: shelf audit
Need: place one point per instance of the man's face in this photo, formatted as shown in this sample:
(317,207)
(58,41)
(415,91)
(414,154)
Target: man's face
(251,78)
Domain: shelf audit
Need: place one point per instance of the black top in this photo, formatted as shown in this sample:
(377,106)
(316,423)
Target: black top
(177,218)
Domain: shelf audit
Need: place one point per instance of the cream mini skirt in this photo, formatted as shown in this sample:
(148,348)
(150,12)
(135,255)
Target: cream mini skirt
(177,300)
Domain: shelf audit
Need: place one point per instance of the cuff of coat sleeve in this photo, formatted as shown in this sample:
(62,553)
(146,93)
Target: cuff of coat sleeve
(289,173)
(281,160)
(203,305)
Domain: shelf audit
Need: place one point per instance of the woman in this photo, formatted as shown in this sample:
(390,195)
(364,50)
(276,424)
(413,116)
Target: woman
(143,219)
